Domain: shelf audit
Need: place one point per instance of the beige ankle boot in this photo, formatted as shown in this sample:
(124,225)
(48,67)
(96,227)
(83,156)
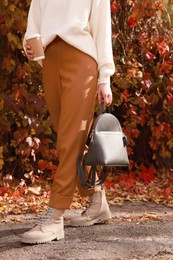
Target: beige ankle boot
(50,227)
(97,212)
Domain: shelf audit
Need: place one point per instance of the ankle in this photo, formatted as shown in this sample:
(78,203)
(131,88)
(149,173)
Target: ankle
(51,215)
(98,193)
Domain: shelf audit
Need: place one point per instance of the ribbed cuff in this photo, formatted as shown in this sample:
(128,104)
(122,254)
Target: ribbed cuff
(104,73)
(104,80)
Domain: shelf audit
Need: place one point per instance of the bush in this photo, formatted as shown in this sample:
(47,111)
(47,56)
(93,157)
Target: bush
(142,86)
(143,83)
(24,120)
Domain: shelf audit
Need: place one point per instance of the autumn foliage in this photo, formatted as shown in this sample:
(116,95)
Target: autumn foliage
(143,83)
(142,88)
(27,138)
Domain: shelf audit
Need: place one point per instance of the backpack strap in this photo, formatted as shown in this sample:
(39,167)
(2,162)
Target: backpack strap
(90,182)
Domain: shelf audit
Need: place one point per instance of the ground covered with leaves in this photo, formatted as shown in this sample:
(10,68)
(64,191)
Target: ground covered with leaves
(32,194)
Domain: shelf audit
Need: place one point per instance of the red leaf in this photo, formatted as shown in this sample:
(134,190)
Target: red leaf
(20,135)
(127,180)
(135,132)
(4,190)
(170,98)
(3,18)
(52,167)
(167,192)
(132,21)
(166,67)
(114,7)
(147,174)
(108,184)
(42,164)
(151,170)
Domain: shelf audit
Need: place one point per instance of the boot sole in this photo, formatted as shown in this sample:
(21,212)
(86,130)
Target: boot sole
(41,241)
(98,220)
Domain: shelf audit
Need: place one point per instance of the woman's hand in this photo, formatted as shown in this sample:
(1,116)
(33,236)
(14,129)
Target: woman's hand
(29,53)
(104,94)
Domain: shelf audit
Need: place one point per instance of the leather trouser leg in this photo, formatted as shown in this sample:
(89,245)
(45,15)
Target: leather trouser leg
(70,84)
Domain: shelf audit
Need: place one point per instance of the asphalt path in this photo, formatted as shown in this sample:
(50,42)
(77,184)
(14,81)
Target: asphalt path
(138,231)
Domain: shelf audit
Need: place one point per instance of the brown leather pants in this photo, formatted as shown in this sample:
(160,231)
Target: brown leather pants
(70,84)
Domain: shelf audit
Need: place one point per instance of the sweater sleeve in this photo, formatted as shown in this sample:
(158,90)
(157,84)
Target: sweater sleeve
(33,21)
(101,30)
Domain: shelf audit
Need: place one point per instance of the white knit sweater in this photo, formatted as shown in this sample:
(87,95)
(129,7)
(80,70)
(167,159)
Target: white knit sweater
(85,24)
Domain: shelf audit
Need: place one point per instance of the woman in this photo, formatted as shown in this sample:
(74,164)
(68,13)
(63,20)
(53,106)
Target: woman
(78,64)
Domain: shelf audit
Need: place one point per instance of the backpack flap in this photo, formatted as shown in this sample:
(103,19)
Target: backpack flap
(108,143)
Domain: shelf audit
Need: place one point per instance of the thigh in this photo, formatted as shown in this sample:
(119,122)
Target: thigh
(79,76)
(52,83)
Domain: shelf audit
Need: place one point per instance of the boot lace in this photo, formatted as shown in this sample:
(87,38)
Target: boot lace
(47,217)
(90,206)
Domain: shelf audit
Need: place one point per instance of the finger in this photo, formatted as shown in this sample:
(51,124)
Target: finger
(105,100)
(108,100)
(99,97)
(30,57)
(27,47)
(29,52)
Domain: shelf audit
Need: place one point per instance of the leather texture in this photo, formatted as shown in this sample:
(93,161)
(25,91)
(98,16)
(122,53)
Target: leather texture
(108,145)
